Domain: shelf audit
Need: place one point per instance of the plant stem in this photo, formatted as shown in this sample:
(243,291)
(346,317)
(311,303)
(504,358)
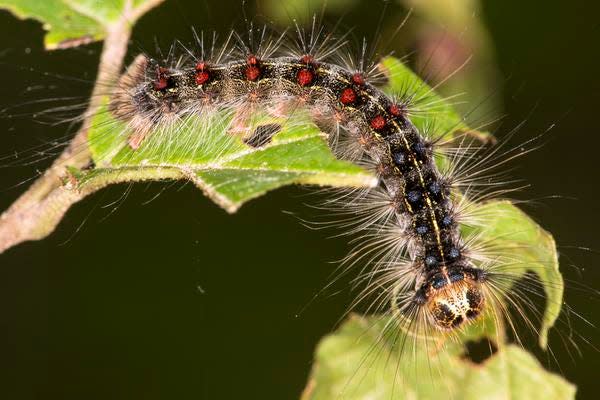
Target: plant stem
(37,212)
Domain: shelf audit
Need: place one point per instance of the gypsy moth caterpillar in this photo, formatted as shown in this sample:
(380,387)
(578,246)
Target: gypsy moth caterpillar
(375,123)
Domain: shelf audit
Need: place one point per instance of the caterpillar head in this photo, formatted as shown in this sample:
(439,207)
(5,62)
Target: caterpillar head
(451,297)
(455,304)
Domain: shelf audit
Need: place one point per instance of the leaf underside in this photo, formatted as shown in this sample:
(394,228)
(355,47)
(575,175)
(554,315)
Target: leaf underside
(219,162)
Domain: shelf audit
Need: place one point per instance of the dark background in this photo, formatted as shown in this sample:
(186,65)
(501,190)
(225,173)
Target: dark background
(175,299)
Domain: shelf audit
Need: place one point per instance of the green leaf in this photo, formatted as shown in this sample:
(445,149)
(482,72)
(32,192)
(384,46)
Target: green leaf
(429,111)
(219,162)
(358,363)
(75,22)
(521,239)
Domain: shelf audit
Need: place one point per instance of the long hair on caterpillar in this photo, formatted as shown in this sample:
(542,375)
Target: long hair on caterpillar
(152,96)
(522,285)
(434,278)
(443,276)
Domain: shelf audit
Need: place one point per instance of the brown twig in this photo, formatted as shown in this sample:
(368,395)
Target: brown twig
(37,212)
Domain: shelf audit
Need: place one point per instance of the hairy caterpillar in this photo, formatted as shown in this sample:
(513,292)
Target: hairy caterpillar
(433,276)
(171,117)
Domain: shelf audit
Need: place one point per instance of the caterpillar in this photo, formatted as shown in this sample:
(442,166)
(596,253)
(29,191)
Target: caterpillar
(432,278)
(419,263)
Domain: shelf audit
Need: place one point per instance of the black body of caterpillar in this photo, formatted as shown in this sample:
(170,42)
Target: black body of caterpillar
(446,284)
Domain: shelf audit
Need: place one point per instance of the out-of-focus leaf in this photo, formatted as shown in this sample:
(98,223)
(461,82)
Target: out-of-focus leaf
(358,363)
(75,22)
